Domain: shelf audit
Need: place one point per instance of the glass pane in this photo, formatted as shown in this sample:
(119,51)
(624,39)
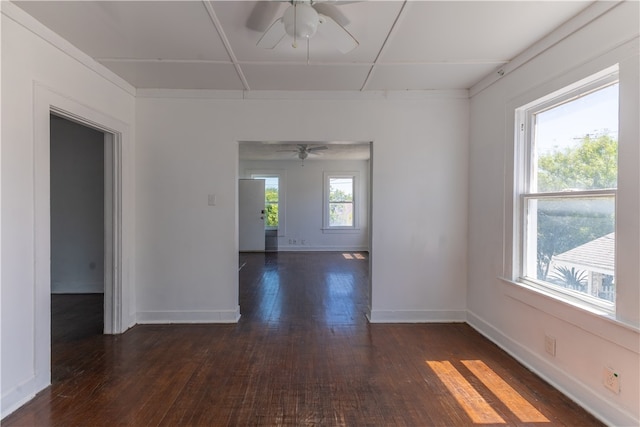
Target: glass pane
(341,214)
(571,244)
(340,189)
(576,144)
(271,188)
(271,219)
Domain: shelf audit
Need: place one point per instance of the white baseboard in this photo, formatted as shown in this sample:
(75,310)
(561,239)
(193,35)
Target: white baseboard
(416,316)
(300,248)
(190,316)
(19,395)
(605,411)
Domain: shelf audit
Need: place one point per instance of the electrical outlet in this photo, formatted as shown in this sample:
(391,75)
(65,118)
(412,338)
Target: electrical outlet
(550,345)
(290,241)
(611,380)
(295,242)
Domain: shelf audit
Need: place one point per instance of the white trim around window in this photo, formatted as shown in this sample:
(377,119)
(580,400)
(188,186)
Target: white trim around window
(520,264)
(351,205)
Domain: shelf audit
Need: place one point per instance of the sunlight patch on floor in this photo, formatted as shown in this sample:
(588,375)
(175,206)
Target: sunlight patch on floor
(503,391)
(355,255)
(468,397)
(478,409)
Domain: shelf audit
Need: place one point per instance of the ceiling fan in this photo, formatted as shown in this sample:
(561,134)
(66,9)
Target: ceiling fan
(303,150)
(300,21)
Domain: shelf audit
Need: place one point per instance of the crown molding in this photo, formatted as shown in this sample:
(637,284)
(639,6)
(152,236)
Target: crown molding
(354,95)
(20,17)
(588,15)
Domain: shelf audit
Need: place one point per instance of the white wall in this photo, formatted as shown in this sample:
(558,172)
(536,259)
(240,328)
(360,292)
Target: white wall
(303,188)
(32,67)
(77,208)
(516,318)
(187,148)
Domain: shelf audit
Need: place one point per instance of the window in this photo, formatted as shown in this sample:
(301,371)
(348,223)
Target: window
(567,173)
(340,201)
(271,199)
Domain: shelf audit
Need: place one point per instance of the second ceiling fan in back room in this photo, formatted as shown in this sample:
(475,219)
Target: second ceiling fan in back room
(303,151)
(301,21)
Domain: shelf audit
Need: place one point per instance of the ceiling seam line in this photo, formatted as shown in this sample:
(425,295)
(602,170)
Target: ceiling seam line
(167,61)
(293,62)
(225,41)
(384,44)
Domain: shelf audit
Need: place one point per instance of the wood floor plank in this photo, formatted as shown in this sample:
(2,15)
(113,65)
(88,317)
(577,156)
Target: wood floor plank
(302,354)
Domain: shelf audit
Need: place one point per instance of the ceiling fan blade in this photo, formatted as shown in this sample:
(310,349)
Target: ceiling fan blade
(273,35)
(263,14)
(338,2)
(312,149)
(336,34)
(332,11)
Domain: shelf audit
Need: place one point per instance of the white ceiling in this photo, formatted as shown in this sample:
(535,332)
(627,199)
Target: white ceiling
(403,45)
(412,45)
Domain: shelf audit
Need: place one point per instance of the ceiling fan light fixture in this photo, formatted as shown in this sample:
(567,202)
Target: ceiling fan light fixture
(300,21)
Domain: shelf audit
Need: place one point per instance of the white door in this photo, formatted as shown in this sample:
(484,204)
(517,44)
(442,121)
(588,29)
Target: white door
(251,215)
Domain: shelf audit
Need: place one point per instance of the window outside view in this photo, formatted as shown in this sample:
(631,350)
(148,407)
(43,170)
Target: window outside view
(270,200)
(341,202)
(570,239)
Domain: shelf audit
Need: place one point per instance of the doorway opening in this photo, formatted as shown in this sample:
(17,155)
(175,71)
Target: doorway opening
(77,212)
(83,165)
(297,202)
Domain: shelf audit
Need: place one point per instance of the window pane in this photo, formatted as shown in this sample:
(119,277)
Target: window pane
(271,219)
(340,189)
(576,144)
(571,244)
(341,214)
(271,188)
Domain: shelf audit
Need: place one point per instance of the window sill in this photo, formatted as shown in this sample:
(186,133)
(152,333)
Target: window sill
(584,302)
(579,314)
(336,230)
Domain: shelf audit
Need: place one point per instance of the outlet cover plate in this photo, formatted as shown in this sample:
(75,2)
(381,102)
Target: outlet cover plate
(611,380)
(550,345)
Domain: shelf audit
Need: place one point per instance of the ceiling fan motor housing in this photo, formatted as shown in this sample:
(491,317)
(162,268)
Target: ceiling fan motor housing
(300,20)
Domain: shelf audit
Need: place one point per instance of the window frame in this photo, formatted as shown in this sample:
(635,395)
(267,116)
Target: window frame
(523,171)
(326,225)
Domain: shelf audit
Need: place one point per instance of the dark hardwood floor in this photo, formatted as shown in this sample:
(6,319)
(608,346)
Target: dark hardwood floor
(302,354)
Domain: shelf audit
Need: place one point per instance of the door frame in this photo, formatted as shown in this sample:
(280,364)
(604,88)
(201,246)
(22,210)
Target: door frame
(47,102)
